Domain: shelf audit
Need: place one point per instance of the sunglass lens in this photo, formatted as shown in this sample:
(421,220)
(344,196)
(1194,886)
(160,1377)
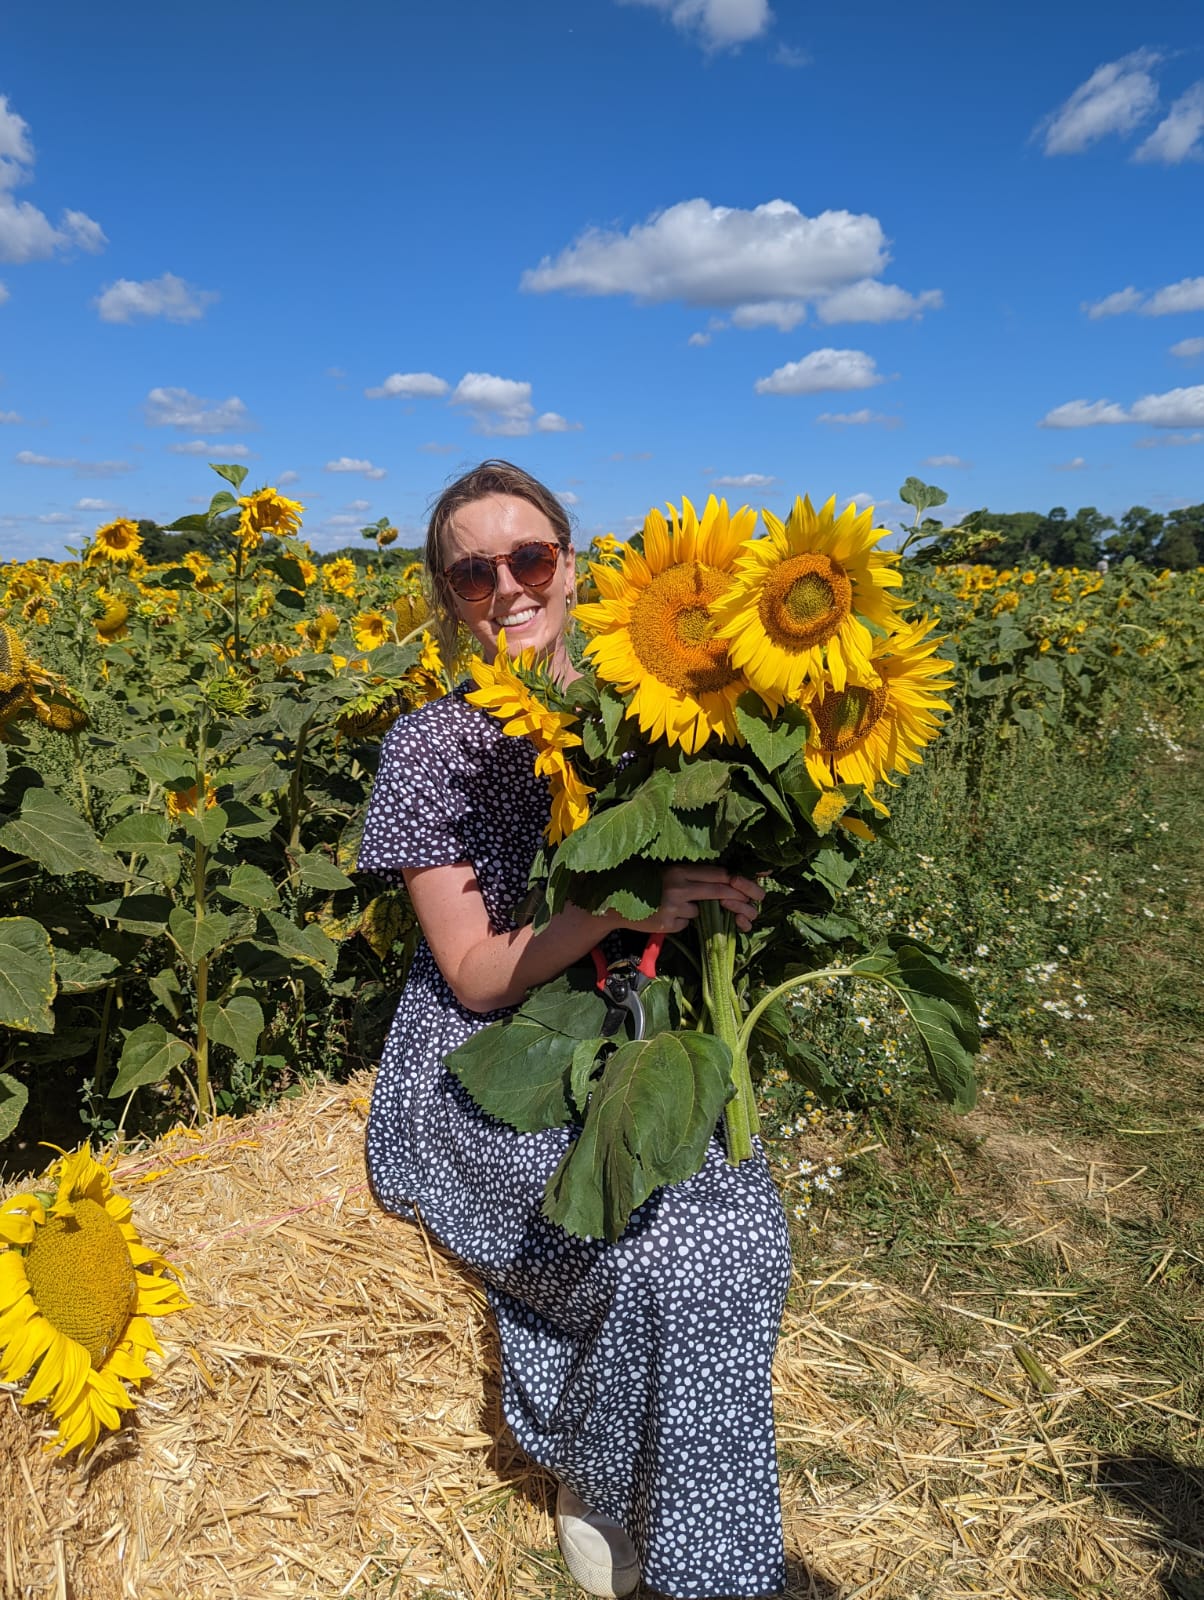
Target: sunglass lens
(471,579)
(533,565)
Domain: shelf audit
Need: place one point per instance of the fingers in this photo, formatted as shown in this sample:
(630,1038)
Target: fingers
(686,886)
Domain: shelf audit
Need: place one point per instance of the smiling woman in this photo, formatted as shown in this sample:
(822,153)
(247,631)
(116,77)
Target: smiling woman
(635,1370)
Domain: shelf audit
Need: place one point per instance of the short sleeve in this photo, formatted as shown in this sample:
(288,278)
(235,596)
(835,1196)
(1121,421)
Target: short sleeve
(410,820)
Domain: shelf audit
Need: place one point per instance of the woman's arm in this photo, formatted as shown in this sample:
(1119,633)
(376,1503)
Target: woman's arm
(487,970)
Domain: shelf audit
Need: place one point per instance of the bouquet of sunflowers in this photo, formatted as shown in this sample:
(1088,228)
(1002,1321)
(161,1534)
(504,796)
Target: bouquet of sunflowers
(744,700)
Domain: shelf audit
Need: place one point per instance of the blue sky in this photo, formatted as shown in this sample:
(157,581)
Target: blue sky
(643,247)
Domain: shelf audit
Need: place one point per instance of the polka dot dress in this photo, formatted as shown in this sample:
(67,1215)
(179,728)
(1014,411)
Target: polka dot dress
(636,1372)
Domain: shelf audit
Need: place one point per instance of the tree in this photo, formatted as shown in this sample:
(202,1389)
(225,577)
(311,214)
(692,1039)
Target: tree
(1139,532)
(1182,543)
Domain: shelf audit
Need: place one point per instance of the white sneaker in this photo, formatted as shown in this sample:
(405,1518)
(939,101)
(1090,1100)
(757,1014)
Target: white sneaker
(599,1555)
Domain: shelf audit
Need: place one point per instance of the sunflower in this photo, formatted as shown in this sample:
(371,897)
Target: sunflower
(502,693)
(863,732)
(319,630)
(340,575)
(654,628)
(267,511)
(370,628)
(116,541)
(182,802)
(77,1286)
(111,624)
(799,595)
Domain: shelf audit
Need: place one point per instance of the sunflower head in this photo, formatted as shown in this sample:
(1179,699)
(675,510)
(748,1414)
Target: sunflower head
(118,541)
(801,597)
(77,1287)
(654,629)
(267,511)
(371,628)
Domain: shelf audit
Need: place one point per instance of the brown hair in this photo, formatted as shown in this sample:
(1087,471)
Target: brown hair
(489,478)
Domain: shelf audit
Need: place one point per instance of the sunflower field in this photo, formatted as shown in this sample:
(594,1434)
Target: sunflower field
(186,750)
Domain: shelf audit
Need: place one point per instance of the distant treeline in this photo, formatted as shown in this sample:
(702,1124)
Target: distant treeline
(1172,539)
(998,538)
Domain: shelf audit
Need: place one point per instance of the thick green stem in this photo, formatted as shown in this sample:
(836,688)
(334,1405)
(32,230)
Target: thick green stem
(201,975)
(754,1016)
(717,936)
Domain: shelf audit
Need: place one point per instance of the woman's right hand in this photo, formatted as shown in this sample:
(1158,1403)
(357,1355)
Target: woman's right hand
(686,886)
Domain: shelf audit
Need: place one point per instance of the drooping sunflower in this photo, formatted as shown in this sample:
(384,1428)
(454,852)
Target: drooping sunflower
(800,599)
(267,511)
(319,630)
(77,1286)
(863,732)
(117,541)
(502,693)
(655,633)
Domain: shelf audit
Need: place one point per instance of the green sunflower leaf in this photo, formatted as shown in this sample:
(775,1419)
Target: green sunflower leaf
(149,1054)
(26,975)
(649,1122)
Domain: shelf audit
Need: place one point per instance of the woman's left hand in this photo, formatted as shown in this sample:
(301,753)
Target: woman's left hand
(743,900)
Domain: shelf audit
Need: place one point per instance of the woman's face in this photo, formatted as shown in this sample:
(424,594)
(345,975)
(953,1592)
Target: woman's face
(495,526)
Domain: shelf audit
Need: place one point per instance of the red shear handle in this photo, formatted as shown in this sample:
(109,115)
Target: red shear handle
(651,955)
(600,967)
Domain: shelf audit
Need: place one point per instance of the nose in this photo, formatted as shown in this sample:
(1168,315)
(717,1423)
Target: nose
(506,588)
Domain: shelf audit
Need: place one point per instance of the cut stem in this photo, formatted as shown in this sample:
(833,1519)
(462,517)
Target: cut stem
(717,937)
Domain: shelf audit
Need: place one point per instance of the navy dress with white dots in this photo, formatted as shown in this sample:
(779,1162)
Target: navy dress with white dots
(637,1372)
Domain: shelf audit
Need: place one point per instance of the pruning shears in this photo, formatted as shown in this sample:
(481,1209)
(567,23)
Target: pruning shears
(620,983)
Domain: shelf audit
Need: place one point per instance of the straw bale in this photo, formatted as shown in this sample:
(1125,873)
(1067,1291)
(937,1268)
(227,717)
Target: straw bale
(326,1421)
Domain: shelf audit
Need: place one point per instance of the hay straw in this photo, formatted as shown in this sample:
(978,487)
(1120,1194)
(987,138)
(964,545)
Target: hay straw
(326,1421)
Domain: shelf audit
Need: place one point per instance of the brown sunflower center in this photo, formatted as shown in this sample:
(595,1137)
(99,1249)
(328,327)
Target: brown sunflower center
(673,631)
(845,718)
(805,600)
(82,1278)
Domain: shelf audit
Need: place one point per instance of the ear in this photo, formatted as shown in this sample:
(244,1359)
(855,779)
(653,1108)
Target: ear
(570,574)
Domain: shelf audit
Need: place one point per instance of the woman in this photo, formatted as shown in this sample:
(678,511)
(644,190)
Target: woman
(636,1372)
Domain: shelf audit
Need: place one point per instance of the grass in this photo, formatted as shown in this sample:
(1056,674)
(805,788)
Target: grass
(1062,1222)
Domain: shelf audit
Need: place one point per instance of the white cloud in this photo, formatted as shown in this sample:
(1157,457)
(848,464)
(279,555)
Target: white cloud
(1188,349)
(359,506)
(820,371)
(699,339)
(1177,408)
(1178,136)
(4,293)
(10,416)
(1169,439)
(789,55)
(946,461)
(177,408)
(567,497)
(27,234)
(409,386)
(1186,295)
(871,301)
(499,406)
(283,479)
(859,419)
(81,469)
(720,24)
(781,314)
(55,519)
(1173,298)
(745,480)
(199,447)
(1114,99)
(1075,464)
(1113,305)
(1084,414)
(89,504)
(719,256)
(553,422)
(168,297)
(352,464)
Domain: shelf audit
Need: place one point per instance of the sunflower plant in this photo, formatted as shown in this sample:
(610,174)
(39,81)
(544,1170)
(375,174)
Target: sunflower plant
(746,698)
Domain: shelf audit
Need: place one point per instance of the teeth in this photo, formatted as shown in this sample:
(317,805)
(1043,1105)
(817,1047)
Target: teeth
(517,618)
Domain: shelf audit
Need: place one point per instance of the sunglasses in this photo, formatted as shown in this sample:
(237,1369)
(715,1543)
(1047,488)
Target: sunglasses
(533,565)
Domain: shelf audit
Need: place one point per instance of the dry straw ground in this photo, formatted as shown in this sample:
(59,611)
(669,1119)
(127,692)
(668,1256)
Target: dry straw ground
(326,1422)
